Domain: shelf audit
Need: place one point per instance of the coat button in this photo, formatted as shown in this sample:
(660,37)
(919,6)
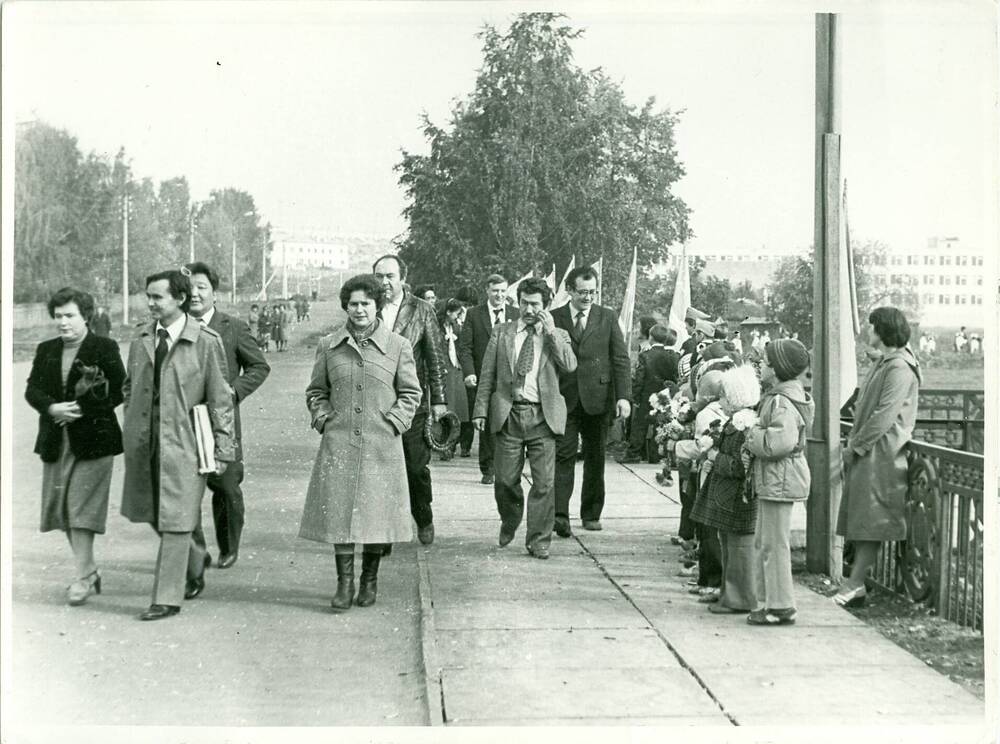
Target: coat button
(361,364)
(358,432)
(364,343)
(357,409)
(359,386)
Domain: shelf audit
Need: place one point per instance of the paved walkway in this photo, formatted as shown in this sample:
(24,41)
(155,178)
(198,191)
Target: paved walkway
(464,633)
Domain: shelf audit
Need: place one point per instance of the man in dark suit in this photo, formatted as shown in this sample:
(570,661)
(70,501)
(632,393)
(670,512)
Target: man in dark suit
(519,391)
(479,323)
(656,367)
(598,389)
(414,319)
(247,369)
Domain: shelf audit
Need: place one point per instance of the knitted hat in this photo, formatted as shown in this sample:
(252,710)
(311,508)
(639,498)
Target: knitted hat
(740,387)
(787,357)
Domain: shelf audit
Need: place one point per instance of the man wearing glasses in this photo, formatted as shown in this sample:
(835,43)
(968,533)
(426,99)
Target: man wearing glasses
(596,391)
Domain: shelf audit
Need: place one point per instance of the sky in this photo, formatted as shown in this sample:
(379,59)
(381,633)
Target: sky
(308,105)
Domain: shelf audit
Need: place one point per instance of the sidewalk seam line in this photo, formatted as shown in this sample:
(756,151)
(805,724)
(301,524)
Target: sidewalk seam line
(680,659)
(433,674)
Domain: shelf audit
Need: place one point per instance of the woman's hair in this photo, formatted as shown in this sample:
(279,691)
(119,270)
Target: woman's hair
(891,326)
(362,283)
(178,283)
(453,305)
(66,295)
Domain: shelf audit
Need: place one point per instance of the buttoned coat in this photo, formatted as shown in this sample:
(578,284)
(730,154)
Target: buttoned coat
(602,373)
(495,396)
(873,506)
(475,336)
(194,372)
(246,367)
(417,323)
(361,397)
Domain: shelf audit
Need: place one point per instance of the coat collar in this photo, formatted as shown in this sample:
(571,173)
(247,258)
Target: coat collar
(407,308)
(379,337)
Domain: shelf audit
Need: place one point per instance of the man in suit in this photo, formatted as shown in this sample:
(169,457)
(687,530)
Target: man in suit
(247,369)
(599,388)
(479,323)
(174,363)
(656,367)
(519,389)
(414,319)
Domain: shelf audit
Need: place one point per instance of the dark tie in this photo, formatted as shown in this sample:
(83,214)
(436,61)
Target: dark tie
(496,316)
(526,356)
(578,326)
(158,357)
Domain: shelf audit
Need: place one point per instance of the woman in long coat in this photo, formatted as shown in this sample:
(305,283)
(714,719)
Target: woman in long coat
(362,396)
(873,507)
(455,390)
(78,434)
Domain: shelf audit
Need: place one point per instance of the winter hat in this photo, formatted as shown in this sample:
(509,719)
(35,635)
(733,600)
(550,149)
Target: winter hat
(787,357)
(740,387)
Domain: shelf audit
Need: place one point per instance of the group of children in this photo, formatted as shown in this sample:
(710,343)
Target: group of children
(737,434)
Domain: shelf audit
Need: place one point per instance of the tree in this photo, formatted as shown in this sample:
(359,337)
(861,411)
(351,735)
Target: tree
(230,215)
(542,163)
(790,296)
(709,293)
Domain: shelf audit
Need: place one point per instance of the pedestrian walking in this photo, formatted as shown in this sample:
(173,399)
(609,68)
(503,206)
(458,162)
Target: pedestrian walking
(183,367)
(479,323)
(873,509)
(598,389)
(100,324)
(519,393)
(458,401)
(246,371)
(75,384)
(253,323)
(414,319)
(362,396)
(780,475)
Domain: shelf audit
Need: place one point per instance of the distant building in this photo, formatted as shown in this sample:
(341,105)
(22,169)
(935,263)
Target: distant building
(310,254)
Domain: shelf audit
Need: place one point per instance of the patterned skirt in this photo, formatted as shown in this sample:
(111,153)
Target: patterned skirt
(75,492)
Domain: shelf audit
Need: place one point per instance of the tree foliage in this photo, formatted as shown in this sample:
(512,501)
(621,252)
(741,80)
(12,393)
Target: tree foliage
(709,293)
(68,221)
(541,163)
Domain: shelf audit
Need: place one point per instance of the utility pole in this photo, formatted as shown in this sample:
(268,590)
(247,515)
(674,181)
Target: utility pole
(191,233)
(125,260)
(233,295)
(284,270)
(263,267)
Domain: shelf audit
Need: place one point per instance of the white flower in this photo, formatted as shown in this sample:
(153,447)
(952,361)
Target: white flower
(705,443)
(744,419)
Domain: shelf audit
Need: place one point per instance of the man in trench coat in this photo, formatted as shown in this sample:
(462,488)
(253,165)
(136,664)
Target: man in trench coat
(174,364)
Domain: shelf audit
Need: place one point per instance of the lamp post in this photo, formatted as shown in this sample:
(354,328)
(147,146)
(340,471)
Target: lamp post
(233,294)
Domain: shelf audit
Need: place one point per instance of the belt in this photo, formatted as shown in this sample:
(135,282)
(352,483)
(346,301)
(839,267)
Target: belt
(525,403)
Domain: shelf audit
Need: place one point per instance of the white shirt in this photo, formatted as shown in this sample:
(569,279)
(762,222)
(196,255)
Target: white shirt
(390,311)
(530,389)
(584,319)
(174,330)
(207,317)
(493,313)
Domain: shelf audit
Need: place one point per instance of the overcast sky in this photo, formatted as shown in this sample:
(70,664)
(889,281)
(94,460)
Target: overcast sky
(308,105)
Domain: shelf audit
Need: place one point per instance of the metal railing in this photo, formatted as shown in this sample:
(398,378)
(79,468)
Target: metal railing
(941,560)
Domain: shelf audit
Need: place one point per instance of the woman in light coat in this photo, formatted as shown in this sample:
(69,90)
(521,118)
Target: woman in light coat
(362,396)
(872,510)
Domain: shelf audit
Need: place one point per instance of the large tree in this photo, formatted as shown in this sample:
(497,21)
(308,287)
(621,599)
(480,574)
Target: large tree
(541,163)
(709,293)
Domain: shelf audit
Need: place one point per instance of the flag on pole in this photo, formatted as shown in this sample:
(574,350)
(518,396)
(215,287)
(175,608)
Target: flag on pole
(512,289)
(628,304)
(681,300)
(561,295)
(551,279)
(850,325)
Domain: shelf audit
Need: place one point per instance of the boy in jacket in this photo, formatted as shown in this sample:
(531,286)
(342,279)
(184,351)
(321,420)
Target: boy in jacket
(780,475)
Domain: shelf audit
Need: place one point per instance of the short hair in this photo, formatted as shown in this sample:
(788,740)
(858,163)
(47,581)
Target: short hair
(690,322)
(423,289)
(535,285)
(200,267)
(495,279)
(580,272)
(400,262)
(721,334)
(366,283)
(253,307)
(891,326)
(178,283)
(83,301)
(646,322)
(660,334)
(453,304)
(671,337)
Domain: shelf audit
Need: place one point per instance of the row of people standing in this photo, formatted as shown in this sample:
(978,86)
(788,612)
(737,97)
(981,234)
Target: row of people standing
(189,354)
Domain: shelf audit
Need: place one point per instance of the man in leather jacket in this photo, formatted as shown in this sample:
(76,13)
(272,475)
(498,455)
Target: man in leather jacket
(414,319)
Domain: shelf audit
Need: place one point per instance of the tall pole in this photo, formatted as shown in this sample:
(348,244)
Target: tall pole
(125,260)
(263,267)
(284,271)
(823,548)
(191,234)
(233,295)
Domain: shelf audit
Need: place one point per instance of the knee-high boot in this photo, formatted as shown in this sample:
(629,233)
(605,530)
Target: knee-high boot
(369,579)
(345,582)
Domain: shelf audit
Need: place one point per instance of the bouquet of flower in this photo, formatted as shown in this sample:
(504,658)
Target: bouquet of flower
(743,420)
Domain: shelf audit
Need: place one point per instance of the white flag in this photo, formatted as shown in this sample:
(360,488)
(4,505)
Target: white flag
(850,325)
(628,303)
(551,279)
(512,289)
(682,299)
(598,267)
(562,296)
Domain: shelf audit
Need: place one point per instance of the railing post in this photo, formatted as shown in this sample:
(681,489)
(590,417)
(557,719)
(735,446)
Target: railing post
(943,557)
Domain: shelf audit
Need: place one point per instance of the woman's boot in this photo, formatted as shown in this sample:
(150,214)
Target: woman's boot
(369,579)
(345,582)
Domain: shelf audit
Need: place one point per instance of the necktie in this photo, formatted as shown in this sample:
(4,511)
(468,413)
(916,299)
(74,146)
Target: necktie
(496,316)
(526,356)
(159,356)
(578,326)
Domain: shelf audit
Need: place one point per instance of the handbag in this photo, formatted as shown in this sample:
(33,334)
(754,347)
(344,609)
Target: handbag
(92,382)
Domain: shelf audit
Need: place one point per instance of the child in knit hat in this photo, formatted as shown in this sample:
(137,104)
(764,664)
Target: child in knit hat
(780,475)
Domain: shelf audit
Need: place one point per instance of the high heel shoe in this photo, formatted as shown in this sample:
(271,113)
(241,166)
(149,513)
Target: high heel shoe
(852,598)
(78,592)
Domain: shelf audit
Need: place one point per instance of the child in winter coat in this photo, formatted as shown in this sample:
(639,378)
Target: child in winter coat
(725,504)
(780,475)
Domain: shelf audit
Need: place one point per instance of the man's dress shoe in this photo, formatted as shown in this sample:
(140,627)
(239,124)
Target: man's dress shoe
(158,612)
